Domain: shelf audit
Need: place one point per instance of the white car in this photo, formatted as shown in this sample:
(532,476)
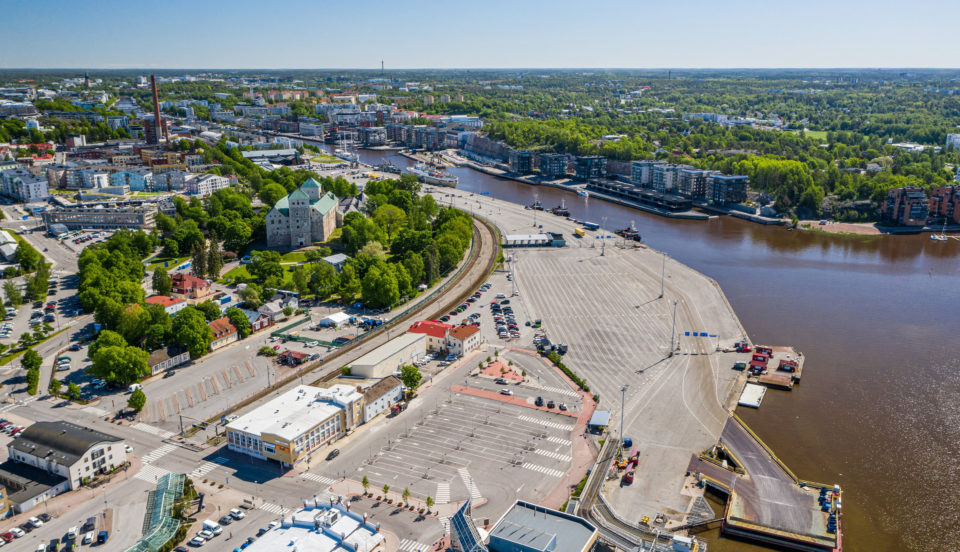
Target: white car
(35,522)
(88,538)
(127,448)
(237,514)
(205,535)
(18,532)
(197,541)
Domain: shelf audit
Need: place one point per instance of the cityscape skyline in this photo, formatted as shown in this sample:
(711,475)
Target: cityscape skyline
(612,35)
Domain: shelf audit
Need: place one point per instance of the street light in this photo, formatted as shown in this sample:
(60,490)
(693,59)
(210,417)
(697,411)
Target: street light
(623,395)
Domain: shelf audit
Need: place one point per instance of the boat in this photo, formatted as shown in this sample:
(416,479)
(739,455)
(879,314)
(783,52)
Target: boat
(590,225)
(561,211)
(583,193)
(388,167)
(941,237)
(430,175)
(345,154)
(630,232)
(537,206)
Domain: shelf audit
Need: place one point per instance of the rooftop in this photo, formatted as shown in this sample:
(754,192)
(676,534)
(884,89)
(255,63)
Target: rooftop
(463,332)
(164,300)
(431,328)
(298,532)
(388,349)
(292,413)
(533,527)
(377,390)
(61,442)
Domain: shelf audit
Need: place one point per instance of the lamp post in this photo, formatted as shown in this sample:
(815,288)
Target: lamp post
(623,396)
(673,329)
(663,268)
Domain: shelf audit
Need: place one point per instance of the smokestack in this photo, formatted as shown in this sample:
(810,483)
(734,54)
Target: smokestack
(158,125)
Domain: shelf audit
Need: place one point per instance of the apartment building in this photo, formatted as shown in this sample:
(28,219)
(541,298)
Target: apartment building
(138,180)
(521,162)
(724,189)
(203,185)
(666,177)
(907,206)
(693,183)
(945,204)
(101,217)
(22,185)
(553,165)
(590,166)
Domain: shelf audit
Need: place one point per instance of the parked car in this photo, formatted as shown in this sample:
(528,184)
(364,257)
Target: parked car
(237,514)
(539,401)
(551,404)
(333,454)
(197,541)
(506,392)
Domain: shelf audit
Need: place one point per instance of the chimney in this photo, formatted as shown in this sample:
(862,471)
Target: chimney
(158,125)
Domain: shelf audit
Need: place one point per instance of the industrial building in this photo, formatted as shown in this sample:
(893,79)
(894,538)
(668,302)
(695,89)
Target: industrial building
(292,426)
(391,356)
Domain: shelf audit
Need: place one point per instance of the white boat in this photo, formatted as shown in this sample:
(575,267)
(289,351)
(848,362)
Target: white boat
(345,154)
(430,175)
(941,236)
(583,193)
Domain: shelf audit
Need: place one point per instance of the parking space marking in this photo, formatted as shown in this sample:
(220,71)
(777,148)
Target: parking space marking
(157,453)
(554,455)
(204,469)
(546,423)
(147,428)
(236,372)
(407,545)
(226,379)
(443,493)
(559,440)
(272,508)
(469,483)
(250,369)
(541,469)
(94,410)
(151,473)
(325,481)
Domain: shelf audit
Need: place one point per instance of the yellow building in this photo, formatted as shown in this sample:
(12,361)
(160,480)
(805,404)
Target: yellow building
(297,423)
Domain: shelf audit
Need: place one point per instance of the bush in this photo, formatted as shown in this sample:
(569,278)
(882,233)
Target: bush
(558,362)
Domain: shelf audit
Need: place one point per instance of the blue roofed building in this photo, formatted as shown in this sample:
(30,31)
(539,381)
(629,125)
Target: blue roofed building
(305,216)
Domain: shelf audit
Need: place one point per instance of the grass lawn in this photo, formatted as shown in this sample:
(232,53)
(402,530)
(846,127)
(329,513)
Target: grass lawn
(241,273)
(323,158)
(7,358)
(820,135)
(294,257)
(171,263)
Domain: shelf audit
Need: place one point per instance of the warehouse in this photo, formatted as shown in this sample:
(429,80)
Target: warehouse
(391,356)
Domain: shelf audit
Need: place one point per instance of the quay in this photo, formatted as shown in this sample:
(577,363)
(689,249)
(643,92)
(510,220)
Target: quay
(766,502)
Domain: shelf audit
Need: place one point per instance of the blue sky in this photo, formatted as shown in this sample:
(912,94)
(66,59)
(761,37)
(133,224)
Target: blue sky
(485,33)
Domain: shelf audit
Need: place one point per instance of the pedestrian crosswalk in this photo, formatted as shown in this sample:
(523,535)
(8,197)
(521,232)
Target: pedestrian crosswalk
(94,410)
(469,483)
(445,521)
(272,508)
(409,545)
(325,481)
(554,455)
(157,453)
(541,469)
(560,391)
(147,428)
(204,469)
(546,423)
(559,440)
(443,493)
(150,473)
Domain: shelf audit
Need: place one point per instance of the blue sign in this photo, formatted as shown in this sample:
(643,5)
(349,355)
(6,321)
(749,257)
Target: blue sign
(686,333)
(713,335)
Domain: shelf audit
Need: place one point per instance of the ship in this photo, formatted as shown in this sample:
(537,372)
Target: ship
(561,211)
(536,206)
(583,193)
(388,167)
(345,154)
(630,232)
(430,175)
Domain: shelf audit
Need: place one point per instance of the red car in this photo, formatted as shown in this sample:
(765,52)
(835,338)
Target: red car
(7,537)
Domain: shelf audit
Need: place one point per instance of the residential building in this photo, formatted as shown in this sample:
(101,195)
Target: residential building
(171,180)
(273,310)
(463,339)
(724,189)
(293,425)
(167,358)
(436,333)
(693,183)
(953,141)
(907,206)
(23,186)
(188,286)
(171,305)
(139,180)
(590,166)
(381,396)
(258,320)
(224,333)
(553,165)
(86,178)
(945,204)
(521,162)
(373,136)
(337,261)
(203,185)
(71,451)
(101,217)
(305,216)
(391,356)
(666,177)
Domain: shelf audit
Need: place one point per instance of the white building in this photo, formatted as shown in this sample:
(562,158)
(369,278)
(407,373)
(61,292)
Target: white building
(391,356)
(203,185)
(68,450)
(953,141)
(381,396)
(322,526)
(462,340)
(23,186)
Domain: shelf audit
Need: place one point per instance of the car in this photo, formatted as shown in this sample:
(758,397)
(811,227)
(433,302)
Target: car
(273,524)
(87,537)
(333,454)
(444,318)
(72,532)
(501,381)
(501,296)
(539,401)
(205,535)
(44,517)
(506,392)
(8,536)
(237,514)
(134,387)
(250,540)
(35,521)
(551,404)
(197,541)
(226,520)
(41,547)
(18,532)
(180,549)
(26,527)
(75,347)
(261,532)
(562,406)
(127,448)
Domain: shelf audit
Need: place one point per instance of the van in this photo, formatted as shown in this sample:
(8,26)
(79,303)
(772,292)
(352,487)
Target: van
(212,526)
(134,386)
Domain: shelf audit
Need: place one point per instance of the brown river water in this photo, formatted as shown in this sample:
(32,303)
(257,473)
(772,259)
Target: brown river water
(878,410)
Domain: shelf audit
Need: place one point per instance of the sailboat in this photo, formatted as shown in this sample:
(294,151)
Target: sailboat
(941,237)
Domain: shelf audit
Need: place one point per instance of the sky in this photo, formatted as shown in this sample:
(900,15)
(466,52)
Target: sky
(319,34)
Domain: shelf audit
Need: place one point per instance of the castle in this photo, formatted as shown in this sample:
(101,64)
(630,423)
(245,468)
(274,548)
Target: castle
(306,215)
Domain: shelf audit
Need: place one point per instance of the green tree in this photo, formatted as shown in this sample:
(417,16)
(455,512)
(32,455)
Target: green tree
(301,279)
(365,483)
(323,280)
(171,250)
(12,292)
(55,386)
(106,338)
(210,310)
(265,266)
(349,284)
(162,282)
(214,258)
(429,502)
(271,194)
(239,321)
(267,351)
(390,218)
(31,360)
(137,400)
(386,489)
(73,390)
(406,496)
(250,295)
(410,376)
(191,331)
(380,287)
(236,235)
(27,257)
(120,365)
(199,260)
(33,380)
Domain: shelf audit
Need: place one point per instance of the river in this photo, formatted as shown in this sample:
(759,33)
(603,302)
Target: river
(878,410)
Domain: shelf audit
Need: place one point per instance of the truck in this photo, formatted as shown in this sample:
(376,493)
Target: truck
(591,225)
(579,232)
(398,408)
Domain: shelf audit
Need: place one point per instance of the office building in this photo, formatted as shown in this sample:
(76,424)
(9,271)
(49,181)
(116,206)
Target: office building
(23,186)
(525,527)
(68,450)
(373,136)
(553,165)
(590,166)
(391,356)
(305,216)
(101,217)
(724,189)
(905,207)
(290,427)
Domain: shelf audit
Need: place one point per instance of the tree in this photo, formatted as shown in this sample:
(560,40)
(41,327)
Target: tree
(239,321)
(210,310)
(137,400)
(429,503)
(250,295)
(410,376)
(214,259)
(349,284)
(265,266)
(171,250)
(365,483)
(162,282)
(106,338)
(31,360)
(236,234)
(386,489)
(373,250)
(267,351)
(380,287)
(120,365)
(26,256)
(199,262)
(55,386)
(190,330)
(323,280)
(73,390)
(406,495)
(301,279)
(33,380)
(390,218)
(271,194)
(12,292)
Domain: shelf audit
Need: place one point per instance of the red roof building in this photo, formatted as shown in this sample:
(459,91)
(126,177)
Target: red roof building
(436,333)
(188,286)
(171,305)
(224,333)
(463,339)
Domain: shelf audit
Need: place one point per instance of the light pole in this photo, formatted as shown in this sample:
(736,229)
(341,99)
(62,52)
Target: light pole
(623,396)
(674,328)
(663,269)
